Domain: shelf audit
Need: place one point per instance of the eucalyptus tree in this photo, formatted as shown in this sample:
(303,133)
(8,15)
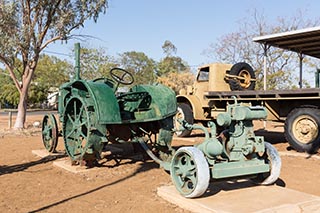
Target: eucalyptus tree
(171,63)
(140,65)
(95,63)
(27,27)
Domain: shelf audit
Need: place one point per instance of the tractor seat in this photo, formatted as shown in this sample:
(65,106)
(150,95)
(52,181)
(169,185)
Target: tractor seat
(134,101)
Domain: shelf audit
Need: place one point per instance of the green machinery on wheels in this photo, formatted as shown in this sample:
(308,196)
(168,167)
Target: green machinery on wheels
(93,115)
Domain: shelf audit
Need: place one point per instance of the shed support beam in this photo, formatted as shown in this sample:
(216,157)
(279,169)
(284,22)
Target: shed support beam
(301,56)
(265,57)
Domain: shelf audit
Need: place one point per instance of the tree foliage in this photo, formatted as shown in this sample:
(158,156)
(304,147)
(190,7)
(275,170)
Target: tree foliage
(169,48)
(51,73)
(238,46)
(95,63)
(140,65)
(27,27)
(177,81)
(170,63)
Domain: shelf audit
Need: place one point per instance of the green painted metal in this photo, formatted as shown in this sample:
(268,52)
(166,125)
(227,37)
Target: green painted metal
(237,151)
(50,132)
(82,135)
(77,60)
(92,114)
(163,101)
(185,172)
(239,168)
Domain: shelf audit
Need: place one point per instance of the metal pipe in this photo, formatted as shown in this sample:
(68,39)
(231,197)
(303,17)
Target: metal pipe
(77,60)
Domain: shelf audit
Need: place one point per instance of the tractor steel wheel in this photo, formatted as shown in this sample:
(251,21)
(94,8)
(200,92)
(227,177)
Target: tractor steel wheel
(185,113)
(190,172)
(50,132)
(164,139)
(76,129)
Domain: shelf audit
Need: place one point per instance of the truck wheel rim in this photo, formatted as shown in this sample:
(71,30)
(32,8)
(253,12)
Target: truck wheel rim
(305,129)
(245,80)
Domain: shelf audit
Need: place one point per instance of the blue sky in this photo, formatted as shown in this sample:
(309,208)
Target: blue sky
(144,25)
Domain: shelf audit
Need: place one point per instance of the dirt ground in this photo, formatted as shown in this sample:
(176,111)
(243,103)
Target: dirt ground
(29,183)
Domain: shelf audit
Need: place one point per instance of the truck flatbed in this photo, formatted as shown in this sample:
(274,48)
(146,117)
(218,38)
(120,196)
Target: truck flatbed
(261,95)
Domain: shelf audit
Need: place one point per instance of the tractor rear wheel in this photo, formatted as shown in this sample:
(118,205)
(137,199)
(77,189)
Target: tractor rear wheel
(78,138)
(184,113)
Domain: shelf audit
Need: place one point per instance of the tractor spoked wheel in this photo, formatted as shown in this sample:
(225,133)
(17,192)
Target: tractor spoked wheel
(50,132)
(76,130)
(190,172)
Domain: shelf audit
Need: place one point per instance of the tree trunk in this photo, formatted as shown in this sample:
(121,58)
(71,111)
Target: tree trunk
(22,110)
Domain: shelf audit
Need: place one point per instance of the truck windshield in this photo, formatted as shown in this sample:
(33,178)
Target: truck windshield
(203,75)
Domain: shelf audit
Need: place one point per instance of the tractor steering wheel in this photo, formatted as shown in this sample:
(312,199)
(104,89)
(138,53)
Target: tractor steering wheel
(121,76)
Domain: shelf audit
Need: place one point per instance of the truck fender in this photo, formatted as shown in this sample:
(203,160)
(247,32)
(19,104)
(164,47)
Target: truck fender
(194,103)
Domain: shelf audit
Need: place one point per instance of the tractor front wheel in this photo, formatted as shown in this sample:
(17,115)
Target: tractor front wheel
(50,132)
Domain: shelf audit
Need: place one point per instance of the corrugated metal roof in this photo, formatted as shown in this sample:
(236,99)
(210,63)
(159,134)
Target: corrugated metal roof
(305,41)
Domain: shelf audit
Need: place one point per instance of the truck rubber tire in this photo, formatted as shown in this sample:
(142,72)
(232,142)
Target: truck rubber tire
(245,71)
(185,112)
(302,129)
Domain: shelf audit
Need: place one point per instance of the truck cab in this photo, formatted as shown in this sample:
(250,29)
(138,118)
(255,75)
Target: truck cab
(218,77)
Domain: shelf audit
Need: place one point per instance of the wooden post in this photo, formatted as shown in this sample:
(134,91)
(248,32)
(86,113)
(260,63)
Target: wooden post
(10,120)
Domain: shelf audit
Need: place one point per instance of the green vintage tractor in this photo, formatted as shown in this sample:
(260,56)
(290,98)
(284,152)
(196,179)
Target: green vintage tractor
(93,116)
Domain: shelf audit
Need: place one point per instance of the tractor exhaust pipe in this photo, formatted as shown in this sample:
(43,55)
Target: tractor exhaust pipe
(77,60)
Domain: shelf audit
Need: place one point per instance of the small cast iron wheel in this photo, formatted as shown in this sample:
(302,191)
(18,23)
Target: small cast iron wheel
(190,172)
(246,76)
(76,129)
(121,76)
(50,132)
(302,129)
(184,113)
(271,157)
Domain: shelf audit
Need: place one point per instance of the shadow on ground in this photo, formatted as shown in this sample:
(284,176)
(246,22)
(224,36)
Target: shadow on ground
(6,169)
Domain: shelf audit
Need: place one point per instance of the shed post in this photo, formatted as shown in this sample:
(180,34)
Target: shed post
(301,56)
